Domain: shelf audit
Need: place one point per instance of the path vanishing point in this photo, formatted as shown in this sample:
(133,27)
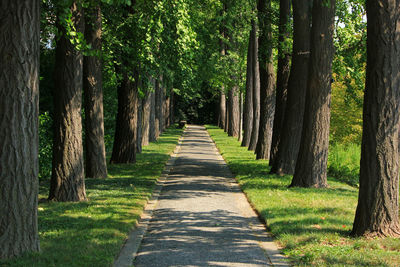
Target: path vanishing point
(199,216)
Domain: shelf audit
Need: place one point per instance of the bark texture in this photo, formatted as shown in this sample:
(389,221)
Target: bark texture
(311,166)
(222,110)
(158,108)
(378,208)
(234,112)
(152,122)
(248,101)
(19,141)
(68,179)
(146,119)
(96,166)
(139,124)
(256,91)
(124,148)
(267,81)
(282,77)
(288,149)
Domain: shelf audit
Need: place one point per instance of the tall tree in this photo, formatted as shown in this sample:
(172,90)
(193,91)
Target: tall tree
(152,122)
(248,102)
(96,166)
(234,112)
(378,204)
(19,140)
(267,80)
(124,148)
(282,76)
(288,149)
(311,165)
(67,179)
(146,118)
(256,89)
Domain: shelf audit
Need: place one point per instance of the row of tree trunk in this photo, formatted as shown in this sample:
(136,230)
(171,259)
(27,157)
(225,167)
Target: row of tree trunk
(293,127)
(138,120)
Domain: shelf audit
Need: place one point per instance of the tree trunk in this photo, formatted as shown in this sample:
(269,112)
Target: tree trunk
(248,102)
(311,166)
(234,112)
(240,116)
(166,112)
(139,125)
(282,77)
(158,109)
(96,166)
(162,108)
(285,160)
(378,206)
(256,91)
(146,119)
(227,115)
(152,121)
(222,110)
(68,179)
(19,141)
(171,108)
(124,148)
(267,81)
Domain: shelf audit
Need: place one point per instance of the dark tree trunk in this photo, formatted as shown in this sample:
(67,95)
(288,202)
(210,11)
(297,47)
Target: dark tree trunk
(234,112)
(166,112)
(139,125)
(68,179)
(152,120)
(282,77)
(124,148)
(162,108)
(378,205)
(222,110)
(267,81)
(146,119)
(248,102)
(227,114)
(171,108)
(311,165)
(285,160)
(19,141)
(96,166)
(240,116)
(158,108)
(256,91)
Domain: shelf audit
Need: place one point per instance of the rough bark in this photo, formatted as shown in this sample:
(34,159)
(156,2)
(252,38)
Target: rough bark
(162,108)
(267,81)
(172,108)
(167,112)
(282,77)
(248,102)
(285,160)
(234,112)
(67,179)
(19,141)
(139,125)
(124,148)
(146,119)
(378,208)
(158,108)
(222,110)
(96,166)
(256,92)
(227,113)
(311,165)
(152,121)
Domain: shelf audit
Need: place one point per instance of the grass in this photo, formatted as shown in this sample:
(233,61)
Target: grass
(311,226)
(344,163)
(91,233)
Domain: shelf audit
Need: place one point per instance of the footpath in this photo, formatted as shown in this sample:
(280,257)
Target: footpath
(199,217)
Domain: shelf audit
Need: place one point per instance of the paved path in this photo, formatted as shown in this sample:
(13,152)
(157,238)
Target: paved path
(201,217)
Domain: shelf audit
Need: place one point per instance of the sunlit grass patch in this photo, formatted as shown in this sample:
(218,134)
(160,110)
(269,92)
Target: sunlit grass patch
(91,233)
(311,225)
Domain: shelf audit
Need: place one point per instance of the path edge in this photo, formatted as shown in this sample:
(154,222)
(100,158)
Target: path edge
(131,246)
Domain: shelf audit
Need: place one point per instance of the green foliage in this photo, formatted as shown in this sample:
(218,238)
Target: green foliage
(45,145)
(344,163)
(312,225)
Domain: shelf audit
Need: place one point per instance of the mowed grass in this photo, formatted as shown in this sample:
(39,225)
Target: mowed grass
(312,226)
(91,233)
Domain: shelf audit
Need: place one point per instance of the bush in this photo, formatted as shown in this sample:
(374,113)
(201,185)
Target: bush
(344,163)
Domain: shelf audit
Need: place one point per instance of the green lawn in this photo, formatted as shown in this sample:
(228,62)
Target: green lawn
(312,226)
(91,233)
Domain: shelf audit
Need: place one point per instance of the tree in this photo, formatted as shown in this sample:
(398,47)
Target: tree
(288,149)
(256,89)
(377,211)
(19,140)
(267,80)
(234,112)
(282,76)
(67,179)
(248,102)
(146,118)
(311,165)
(96,166)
